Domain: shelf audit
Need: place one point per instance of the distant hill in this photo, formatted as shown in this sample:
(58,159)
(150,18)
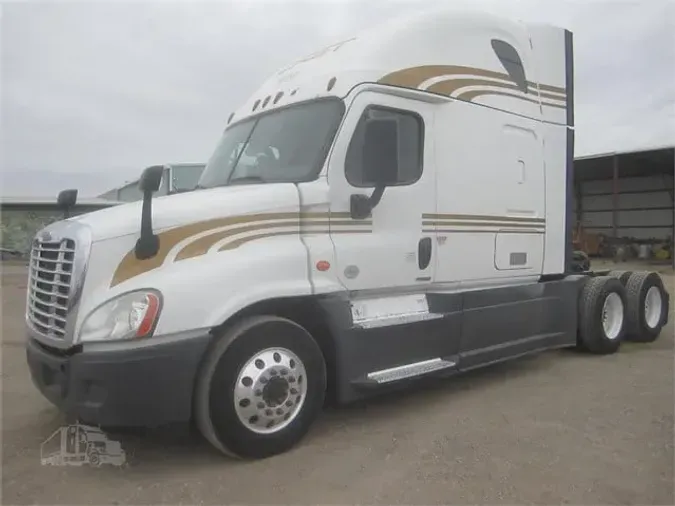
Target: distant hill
(40,183)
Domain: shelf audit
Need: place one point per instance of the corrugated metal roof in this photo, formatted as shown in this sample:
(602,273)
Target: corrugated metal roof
(626,152)
(41,201)
(127,184)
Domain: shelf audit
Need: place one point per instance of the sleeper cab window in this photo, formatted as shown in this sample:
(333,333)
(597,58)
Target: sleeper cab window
(410,147)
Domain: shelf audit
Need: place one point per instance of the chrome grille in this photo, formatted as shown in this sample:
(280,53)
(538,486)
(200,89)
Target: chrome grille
(51,283)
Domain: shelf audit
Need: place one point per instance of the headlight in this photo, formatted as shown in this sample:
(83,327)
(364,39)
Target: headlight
(130,315)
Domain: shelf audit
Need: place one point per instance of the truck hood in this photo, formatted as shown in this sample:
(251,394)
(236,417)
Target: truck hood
(184,208)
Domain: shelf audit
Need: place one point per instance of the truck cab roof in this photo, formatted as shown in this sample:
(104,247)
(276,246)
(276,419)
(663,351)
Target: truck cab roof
(463,55)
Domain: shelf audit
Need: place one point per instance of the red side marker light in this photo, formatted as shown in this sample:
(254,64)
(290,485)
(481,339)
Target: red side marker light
(322,265)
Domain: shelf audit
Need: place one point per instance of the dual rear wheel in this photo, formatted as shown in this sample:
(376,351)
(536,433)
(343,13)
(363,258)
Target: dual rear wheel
(621,306)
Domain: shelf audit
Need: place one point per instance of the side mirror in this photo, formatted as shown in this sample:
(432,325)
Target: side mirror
(380,152)
(147,245)
(151,178)
(67,200)
(380,164)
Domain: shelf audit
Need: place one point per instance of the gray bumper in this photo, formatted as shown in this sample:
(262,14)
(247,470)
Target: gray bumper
(121,384)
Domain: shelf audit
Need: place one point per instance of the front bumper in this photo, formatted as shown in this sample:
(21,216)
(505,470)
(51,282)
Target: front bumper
(121,384)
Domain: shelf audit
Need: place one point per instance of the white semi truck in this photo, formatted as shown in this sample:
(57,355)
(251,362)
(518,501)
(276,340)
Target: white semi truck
(393,207)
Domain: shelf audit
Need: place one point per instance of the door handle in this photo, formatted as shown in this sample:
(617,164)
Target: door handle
(424,253)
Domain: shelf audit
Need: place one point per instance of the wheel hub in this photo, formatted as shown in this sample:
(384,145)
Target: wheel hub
(275,392)
(270,390)
(612,316)
(653,307)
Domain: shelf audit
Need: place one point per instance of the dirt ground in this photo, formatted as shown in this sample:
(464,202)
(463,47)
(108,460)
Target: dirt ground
(559,428)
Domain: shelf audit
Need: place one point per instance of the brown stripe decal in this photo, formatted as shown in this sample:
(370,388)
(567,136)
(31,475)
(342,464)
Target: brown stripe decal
(130,266)
(414,77)
(482,217)
(243,240)
(203,244)
(467,223)
(481,231)
(449,86)
(468,96)
(447,223)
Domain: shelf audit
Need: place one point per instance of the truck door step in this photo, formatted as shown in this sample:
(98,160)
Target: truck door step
(405,372)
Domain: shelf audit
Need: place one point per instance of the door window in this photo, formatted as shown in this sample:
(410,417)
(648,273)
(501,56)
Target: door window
(410,146)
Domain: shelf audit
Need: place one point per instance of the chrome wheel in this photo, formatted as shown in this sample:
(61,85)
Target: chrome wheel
(653,307)
(612,315)
(270,390)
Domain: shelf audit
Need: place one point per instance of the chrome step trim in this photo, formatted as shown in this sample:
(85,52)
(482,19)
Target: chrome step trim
(375,312)
(399,319)
(410,370)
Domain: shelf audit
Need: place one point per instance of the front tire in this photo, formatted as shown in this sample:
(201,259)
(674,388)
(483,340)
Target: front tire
(602,315)
(261,388)
(94,458)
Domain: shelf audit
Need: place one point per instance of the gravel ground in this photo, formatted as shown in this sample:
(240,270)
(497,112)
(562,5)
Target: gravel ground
(558,428)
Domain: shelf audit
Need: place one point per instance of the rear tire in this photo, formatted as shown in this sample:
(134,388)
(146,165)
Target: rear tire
(261,389)
(602,322)
(621,276)
(647,307)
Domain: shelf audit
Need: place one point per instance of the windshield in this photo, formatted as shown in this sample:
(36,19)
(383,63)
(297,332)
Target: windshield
(287,145)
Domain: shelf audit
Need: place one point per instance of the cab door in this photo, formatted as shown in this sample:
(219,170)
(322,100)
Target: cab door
(387,251)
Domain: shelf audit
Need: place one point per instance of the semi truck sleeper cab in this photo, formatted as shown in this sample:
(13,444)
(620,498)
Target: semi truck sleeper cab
(395,206)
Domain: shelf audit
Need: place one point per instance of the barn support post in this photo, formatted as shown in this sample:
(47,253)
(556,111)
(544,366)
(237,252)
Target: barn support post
(615,196)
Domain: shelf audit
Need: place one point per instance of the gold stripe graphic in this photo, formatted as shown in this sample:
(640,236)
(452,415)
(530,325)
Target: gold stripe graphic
(481,217)
(450,86)
(305,222)
(445,223)
(203,244)
(414,77)
(243,240)
(130,267)
(468,96)
(482,231)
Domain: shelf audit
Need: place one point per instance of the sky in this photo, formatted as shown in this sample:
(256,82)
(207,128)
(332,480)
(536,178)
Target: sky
(92,92)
